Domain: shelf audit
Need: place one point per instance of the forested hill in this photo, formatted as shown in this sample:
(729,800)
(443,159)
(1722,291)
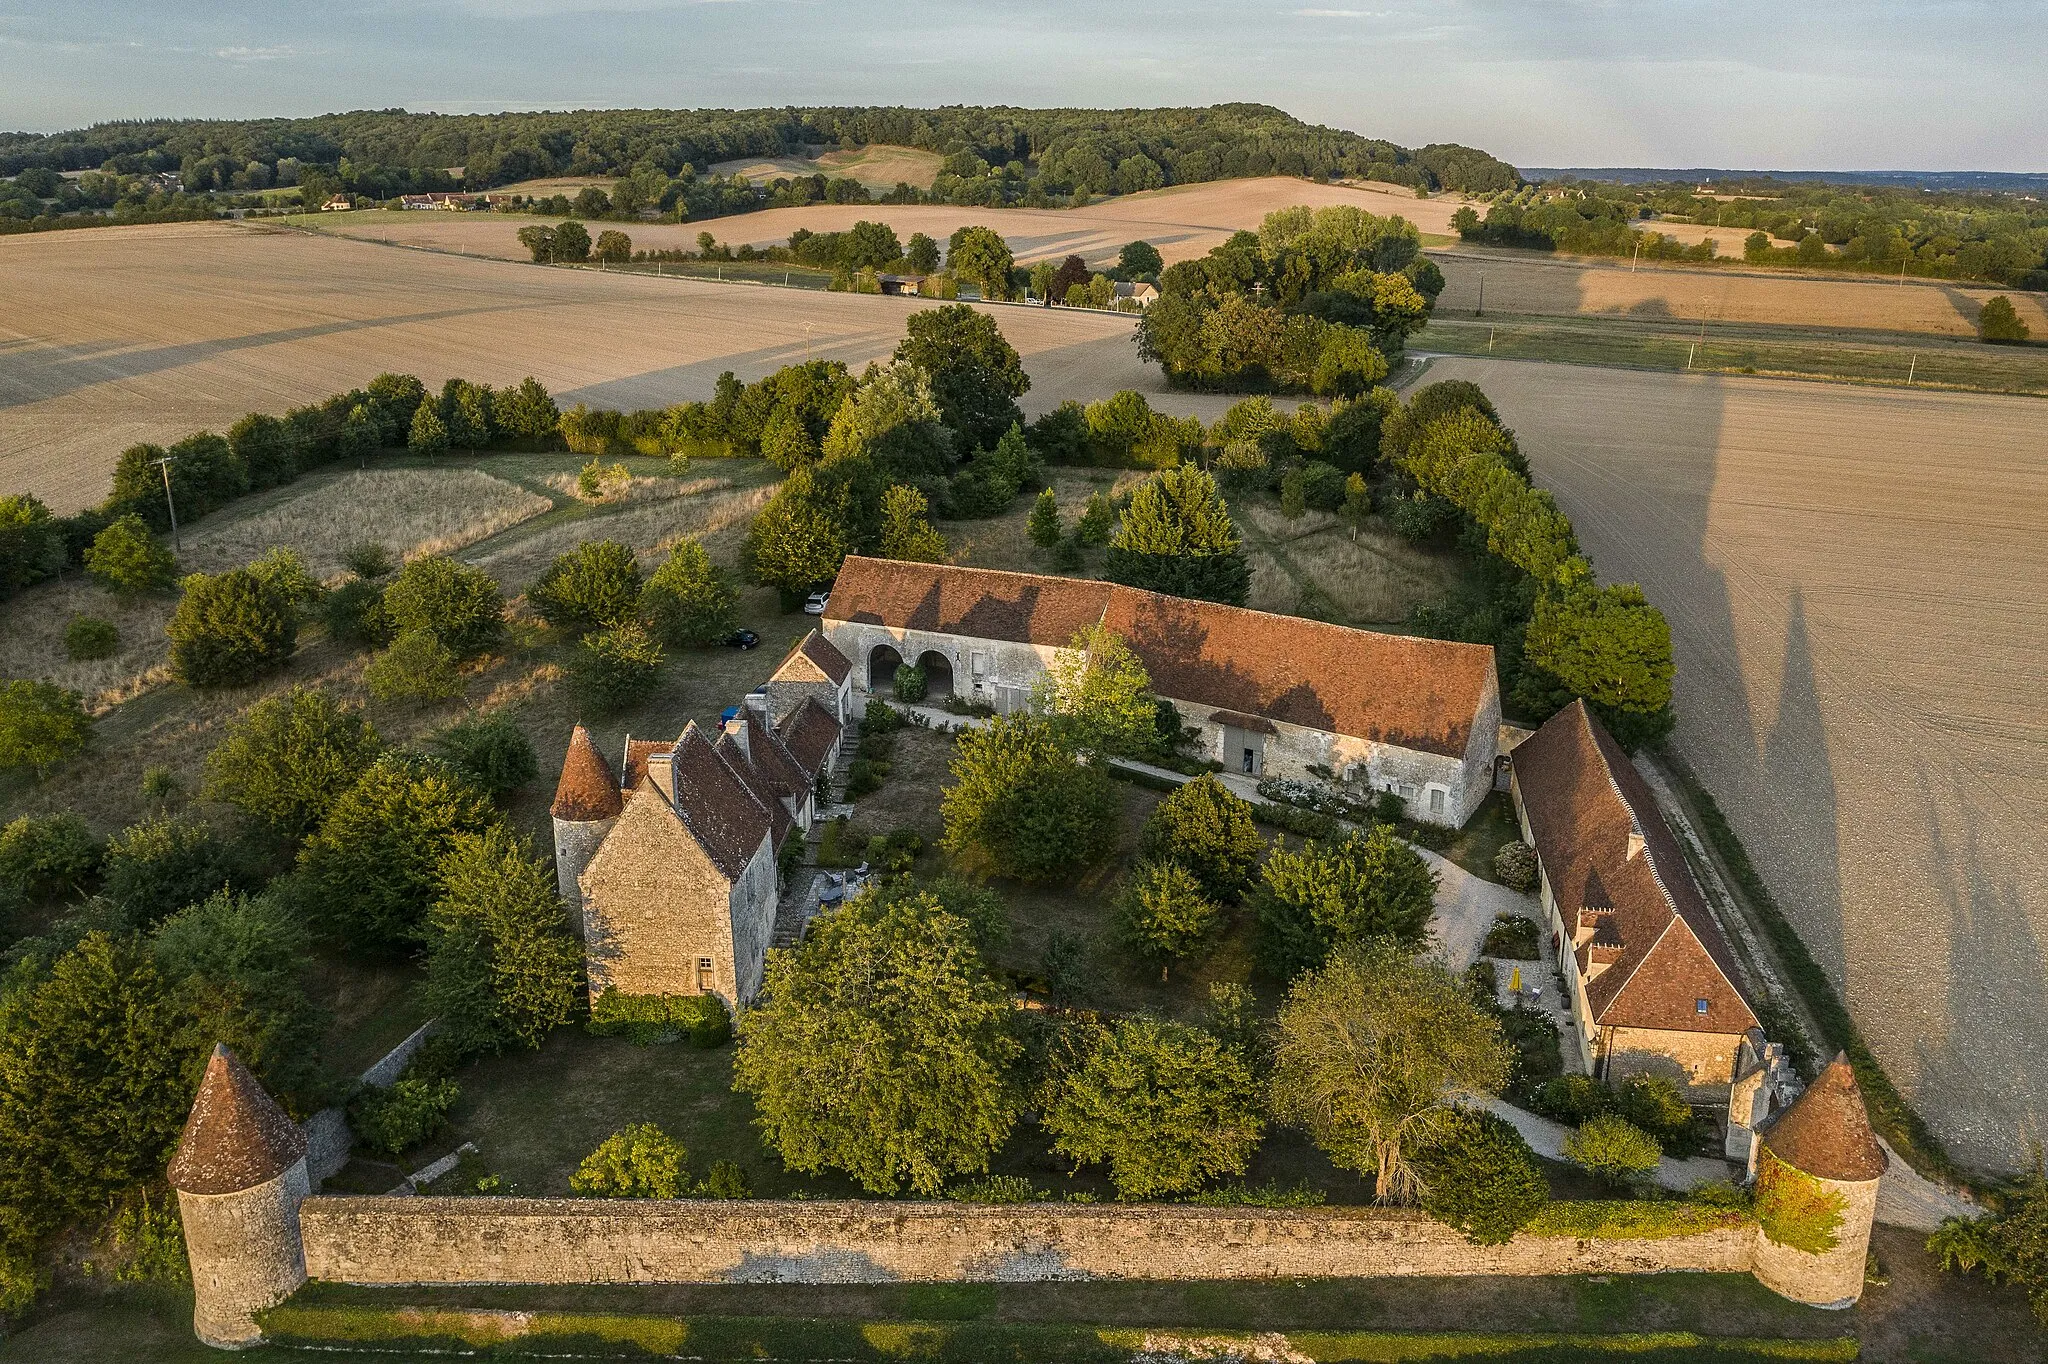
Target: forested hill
(1058,151)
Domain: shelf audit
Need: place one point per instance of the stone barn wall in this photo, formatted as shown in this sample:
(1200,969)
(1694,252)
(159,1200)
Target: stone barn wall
(543,1240)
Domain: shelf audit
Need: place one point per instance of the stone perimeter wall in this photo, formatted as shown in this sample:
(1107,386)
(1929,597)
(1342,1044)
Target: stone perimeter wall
(548,1240)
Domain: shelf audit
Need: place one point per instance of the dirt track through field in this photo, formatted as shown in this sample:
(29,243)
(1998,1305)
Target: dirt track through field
(1859,602)
(130,334)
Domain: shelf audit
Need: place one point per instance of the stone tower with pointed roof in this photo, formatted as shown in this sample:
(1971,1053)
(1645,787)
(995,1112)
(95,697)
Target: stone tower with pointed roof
(588,802)
(1834,1157)
(240,1173)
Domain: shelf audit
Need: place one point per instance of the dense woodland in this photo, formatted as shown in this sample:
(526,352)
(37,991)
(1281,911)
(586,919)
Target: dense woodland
(994,155)
(2000,238)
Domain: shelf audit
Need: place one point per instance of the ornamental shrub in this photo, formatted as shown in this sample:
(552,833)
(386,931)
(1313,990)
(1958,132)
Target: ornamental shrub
(1479,1176)
(290,758)
(1513,937)
(392,1121)
(41,724)
(614,668)
(45,856)
(1614,1149)
(88,638)
(1022,803)
(1163,912)
(641,1162)
(165,862)
(417,667)
(230,629)
(725,1179)
(127,558)
(594,586)
(1208,829)
(910,684)
(701,1020)
(1514,866)
(461,606)
(490,752)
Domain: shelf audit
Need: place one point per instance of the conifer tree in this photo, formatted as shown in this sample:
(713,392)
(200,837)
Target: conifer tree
(1044,525)
(1177,537)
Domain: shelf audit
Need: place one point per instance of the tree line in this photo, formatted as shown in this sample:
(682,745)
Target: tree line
(994,155)
(1997,238)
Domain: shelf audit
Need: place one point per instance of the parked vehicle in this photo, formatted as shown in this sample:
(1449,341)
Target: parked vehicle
(742,639)
(814,605)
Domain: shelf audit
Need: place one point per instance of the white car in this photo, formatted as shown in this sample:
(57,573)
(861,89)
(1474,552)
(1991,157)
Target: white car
(814,605)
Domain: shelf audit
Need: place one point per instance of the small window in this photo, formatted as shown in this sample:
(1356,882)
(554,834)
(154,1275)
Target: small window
(1699,1006)
(1436,800)
(704,976)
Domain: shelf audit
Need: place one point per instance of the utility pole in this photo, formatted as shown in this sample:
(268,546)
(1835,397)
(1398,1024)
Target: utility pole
(1912,364)
(1481,312)
(1902,266)
(1638,254)
(177,541)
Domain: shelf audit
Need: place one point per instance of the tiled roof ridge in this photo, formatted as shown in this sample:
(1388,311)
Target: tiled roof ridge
(1649,856)
(1111,590)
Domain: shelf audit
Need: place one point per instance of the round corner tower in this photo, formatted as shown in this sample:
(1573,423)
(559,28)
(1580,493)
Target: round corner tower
(1821,1153)
(240,1173)
(587,804)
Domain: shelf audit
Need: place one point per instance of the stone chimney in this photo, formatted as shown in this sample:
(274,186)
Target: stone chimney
(240,1173)
(1823,1144)
(587,804)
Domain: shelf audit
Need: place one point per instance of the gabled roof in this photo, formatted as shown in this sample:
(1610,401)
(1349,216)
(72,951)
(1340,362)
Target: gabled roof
(772,759)
(1826,1132)
(1420,694)
(1584,801)
(727,819)
(741,763)
(236,1137)
(638,751)
(809,732)
(813,659)
(587,790)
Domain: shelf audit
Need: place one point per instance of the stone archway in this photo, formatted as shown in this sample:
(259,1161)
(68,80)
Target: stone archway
(938,674)
(882,665)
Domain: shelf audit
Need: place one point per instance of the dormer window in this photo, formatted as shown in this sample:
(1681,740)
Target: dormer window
(1699,1006)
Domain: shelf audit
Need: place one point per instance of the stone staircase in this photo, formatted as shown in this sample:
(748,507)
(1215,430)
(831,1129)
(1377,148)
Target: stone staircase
(798,903)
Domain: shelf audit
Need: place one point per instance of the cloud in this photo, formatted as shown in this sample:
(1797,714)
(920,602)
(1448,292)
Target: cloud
(255,54)
(1343,14)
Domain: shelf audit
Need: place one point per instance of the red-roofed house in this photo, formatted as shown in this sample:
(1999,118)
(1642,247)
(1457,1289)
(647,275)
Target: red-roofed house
(1271,695)
(1652,983)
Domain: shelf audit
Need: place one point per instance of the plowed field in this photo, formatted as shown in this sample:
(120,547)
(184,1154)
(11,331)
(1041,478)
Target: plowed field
(1859,601)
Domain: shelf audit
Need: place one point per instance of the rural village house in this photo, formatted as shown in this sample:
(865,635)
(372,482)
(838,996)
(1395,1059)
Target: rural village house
(672,860)
(1652,983)
(1270,694)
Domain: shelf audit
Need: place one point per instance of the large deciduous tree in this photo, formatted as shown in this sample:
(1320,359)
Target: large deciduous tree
(1023,804)
(290,758)
(1330,893)
(1371,1049)
(1165,1106)
(230,629)
(502,962)
(1097,693)
(459,605)
(594,586)
(689,600)
(976,375)
(1208,829)
(981,257)
(882,1047)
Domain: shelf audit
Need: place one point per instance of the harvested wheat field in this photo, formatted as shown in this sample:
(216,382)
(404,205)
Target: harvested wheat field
(880,167)
(1859,602)
(150,333)
(1524,284)
(1182,222)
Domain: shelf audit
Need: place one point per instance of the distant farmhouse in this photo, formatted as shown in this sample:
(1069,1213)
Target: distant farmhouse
(1651,980)
(1140,294)
(672,858)
(1269,694)
(448,200)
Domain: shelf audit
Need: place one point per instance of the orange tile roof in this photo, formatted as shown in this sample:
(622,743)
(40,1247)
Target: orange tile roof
(1826,1132)
(1420,694)
(587,790)
(1584,799)
(236,1137)
(638,751)
(808,732)
(819,652)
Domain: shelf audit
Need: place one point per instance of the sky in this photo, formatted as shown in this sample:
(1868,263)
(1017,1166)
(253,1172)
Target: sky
(1847,85)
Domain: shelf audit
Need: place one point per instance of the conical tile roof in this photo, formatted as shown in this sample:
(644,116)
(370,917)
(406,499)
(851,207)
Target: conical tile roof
(588,790)
(1826,1132)
(237,1136)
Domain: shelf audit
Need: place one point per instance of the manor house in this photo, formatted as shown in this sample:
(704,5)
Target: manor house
(1652,982)
(672,858)
(1268,694)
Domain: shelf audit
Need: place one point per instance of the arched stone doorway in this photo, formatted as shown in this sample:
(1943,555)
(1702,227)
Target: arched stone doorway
(938,674)
(882,666)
